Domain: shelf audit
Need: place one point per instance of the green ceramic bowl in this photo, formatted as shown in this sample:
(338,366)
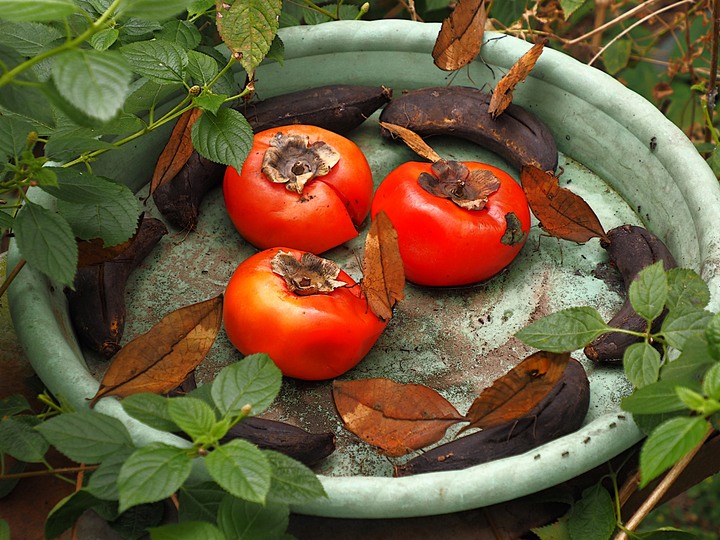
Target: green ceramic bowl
(456,341)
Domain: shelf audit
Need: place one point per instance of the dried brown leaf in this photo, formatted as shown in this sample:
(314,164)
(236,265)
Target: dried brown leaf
(177,151)
(461,34)
(161,359)
(414,141)
(518,392)
(397,418)
(383,279)
(502,95)
(562,213)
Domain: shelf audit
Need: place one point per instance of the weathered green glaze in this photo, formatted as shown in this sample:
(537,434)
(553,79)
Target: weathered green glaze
(456,341)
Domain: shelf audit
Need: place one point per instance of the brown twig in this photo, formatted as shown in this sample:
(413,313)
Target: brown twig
(61,470)
(11,276)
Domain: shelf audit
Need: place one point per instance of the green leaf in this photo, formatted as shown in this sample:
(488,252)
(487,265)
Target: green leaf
(570,6)
(225,137)
(86,436)
(202,68)
(200,502)
(691,364)
(648,291)
(47,242)
(659,397)
(21,441)
(67,511)
(686,287)
(103,481)
(13,136)
(684,323)
(29,105)
(252,521)
(694,401)
(649,422)
(6,220)
(95,82)
(145,94)
(344,12)
(104,39)
(617,56)
(193,416)
(566,330)
(37,10)
(248,27)
(134,29)
(508,11)
(150,409)
(241,469)
(255,380)
(593,516)
(642,364)
(81,187)
(712,334)
(198,7)
(183,33)
(210,102)
(668,444)
(4,530)
(714,160)
(14,404)
(554,531)
(158,60)
(28,38)
(154,10)
(711,382)
(152,473)
(292,482)
(187,530)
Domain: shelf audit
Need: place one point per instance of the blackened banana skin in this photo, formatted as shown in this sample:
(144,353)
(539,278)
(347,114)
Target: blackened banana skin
(517,135)
(97,304)
(561,412)
(338,108)
(631,248)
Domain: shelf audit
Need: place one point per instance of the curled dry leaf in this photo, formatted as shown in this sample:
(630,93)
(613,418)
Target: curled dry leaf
(562,213)
(160,360)
(177,151)
(455,181)
(383,279)
(461,34)
(397,418)
(309,275)
(502,95)
(518,392)
(414,141)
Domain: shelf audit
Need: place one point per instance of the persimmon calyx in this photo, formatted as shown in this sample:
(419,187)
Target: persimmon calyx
(293,161)
(309,275)
(455,181)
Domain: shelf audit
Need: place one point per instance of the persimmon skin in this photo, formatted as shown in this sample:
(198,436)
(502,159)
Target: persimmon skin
(325,215)
(442,244)
(313,337)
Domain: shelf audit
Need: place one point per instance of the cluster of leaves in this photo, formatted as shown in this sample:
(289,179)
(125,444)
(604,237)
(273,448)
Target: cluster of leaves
(240,491)
(675,370)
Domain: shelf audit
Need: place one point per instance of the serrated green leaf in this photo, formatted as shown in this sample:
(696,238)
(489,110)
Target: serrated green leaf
(684,323)
(202,68)
(712,335)
(554,531)
(565,330)
(617,56)
(28,38)
(666,533)
(200,502)
(252,521)
(21,441)
(570,6)
(135,28)
(507,12)
(292,482)
(81,187)
(187,530)
(277,51)
(209,102)
(63,147)
(154,10)
(714,160)
(641,362)
(29,105)
(711,382)
(93,81)
(648,291)
(14,404)
(37,10)
(226,84)
(67,511)
(668,444)
(152,473)
(146,94)
(241,469)
(198,7)
(193,416)
(161,61)
(659,397)
(649,422)
(691,364)
(593,516)
(248,28)
(225,137)
(345,12)
(104,39)
(103,480)
(13,136)
(183,33)
(150,409)
(255,380)
(694,401)
(686,287)
(47,242)
(6,220)
(86,436)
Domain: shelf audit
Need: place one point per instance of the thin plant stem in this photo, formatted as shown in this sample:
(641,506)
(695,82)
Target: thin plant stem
(602,28)
(11,276)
